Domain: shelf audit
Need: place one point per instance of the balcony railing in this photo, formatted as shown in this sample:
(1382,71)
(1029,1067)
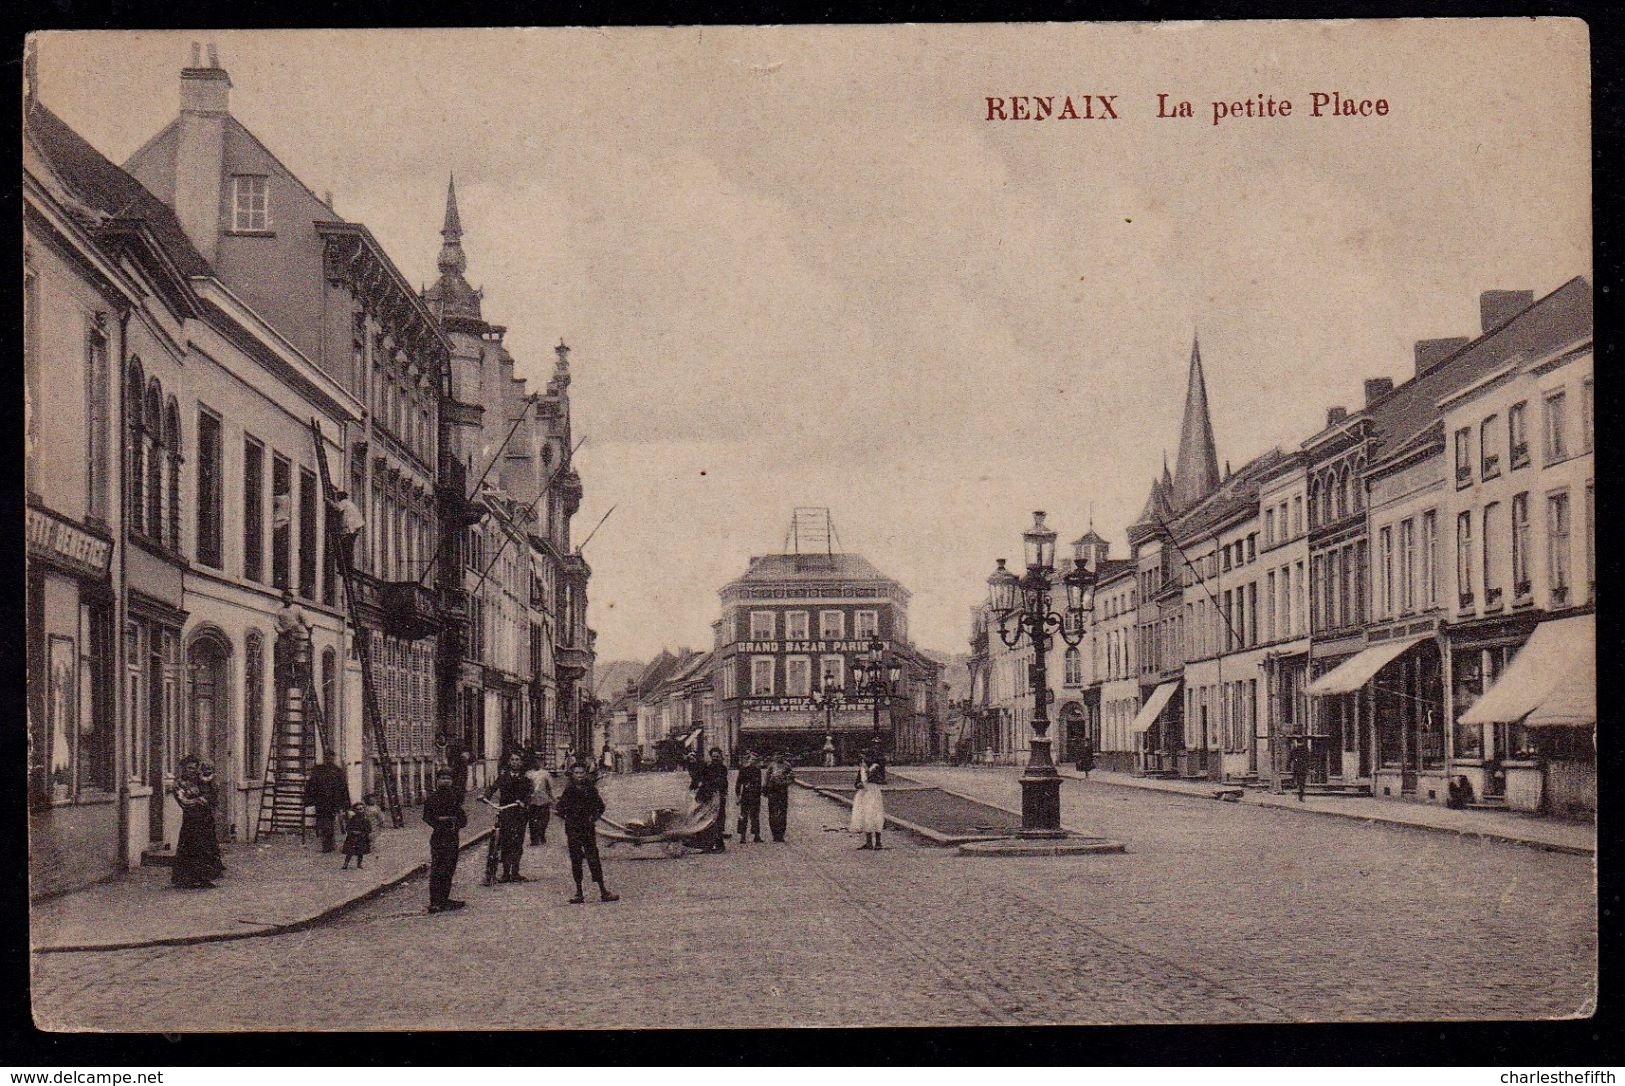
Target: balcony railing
(409,609)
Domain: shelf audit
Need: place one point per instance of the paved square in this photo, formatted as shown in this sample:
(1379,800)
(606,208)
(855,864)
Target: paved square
(1218,913)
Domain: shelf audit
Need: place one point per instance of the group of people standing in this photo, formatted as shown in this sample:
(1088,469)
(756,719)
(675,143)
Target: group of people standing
(524,800)
(708,780)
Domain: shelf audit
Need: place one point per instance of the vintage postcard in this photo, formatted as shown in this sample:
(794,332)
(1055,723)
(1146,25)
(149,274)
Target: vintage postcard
(810,526)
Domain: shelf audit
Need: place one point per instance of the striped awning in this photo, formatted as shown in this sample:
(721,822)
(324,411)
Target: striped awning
(1558,664)
(1153,707)
(1358,669)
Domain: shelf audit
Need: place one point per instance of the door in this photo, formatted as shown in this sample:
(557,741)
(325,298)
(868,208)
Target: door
(207,734)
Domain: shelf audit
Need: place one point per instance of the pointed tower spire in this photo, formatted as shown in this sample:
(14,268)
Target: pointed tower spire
(1196,473)
(452,261)
(1167,479)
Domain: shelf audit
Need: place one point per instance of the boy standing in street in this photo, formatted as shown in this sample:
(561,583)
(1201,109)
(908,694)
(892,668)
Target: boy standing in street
(748,791)
(579,808)
(777,788)
(443,811)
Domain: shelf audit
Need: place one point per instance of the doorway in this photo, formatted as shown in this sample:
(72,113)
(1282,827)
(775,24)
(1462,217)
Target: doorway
(208,733)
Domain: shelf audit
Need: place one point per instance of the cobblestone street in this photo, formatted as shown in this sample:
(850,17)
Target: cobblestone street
(1329,919)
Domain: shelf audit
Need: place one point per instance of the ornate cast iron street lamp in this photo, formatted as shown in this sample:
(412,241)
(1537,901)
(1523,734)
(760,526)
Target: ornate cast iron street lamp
(829,699)
(1022,607)
(875,680)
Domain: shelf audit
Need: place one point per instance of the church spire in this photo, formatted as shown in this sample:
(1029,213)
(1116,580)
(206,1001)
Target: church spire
(452,261)
(1196,472)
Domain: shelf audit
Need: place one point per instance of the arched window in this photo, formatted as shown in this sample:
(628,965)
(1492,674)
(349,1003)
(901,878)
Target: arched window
(253,705)
(1357,485)
(155,460)
(134,417)
(1342,492)
(177,446)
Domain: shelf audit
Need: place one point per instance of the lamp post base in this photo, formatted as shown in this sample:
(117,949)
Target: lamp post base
(1041,806)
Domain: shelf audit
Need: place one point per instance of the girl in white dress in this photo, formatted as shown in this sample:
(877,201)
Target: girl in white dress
(868,810)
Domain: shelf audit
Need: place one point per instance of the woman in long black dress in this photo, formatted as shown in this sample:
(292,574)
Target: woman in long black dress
(194,856)
(210,791)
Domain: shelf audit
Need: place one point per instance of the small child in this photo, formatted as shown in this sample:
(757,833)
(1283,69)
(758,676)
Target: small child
(375,813)
(357,835)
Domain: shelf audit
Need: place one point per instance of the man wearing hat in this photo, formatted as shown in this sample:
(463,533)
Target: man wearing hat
(512,791)
(748,791)
(443,811)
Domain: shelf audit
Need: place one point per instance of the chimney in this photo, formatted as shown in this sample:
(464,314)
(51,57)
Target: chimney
(1430,352)
(200,151)
(1376,388)
(1496,307)
(1335,415)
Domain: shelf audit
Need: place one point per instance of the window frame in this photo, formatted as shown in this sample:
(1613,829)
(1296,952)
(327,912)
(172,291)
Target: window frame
(757,619)
(756,665)
(208,486)
(240,207)
(824,633)
(791,621)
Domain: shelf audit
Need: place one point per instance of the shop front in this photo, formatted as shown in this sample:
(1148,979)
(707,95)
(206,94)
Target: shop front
(75,832)
(1157,731)
(1533,727)
(1379,715)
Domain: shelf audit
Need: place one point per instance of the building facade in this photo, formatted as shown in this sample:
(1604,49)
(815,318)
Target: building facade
(794,623)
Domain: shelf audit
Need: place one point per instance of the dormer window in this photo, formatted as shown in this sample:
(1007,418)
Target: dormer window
(250,204)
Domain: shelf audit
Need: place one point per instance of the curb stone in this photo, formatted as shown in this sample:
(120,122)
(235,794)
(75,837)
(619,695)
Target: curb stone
(263,930)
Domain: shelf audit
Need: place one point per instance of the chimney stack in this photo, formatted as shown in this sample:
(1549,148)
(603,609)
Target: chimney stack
(1431,352)
(1335,415)
(200,151)
(1496,307)
(1376,388)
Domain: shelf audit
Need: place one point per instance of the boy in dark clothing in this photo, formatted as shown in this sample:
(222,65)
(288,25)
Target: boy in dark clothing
(1298,764)
(777,787)
(748,790)
(579,808)
(443,810)
(512,790)
(714,782)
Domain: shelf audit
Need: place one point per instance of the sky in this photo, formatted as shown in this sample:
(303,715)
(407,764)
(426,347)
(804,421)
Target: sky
(800,267)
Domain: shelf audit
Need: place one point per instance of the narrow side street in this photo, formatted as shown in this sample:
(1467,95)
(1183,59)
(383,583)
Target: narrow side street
(1337,920)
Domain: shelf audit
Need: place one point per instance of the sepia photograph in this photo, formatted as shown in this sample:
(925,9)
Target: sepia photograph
(724,527)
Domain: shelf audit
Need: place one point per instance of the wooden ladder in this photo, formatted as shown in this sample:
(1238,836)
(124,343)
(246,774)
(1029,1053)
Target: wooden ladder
(299,725)
(363,644)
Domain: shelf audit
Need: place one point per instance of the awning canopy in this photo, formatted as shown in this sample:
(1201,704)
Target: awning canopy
(1557,666)
(1153,707)
(1357,670)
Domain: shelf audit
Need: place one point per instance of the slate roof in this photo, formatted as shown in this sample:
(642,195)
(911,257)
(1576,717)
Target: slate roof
(1561,317)
(104,187)
(773,568)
